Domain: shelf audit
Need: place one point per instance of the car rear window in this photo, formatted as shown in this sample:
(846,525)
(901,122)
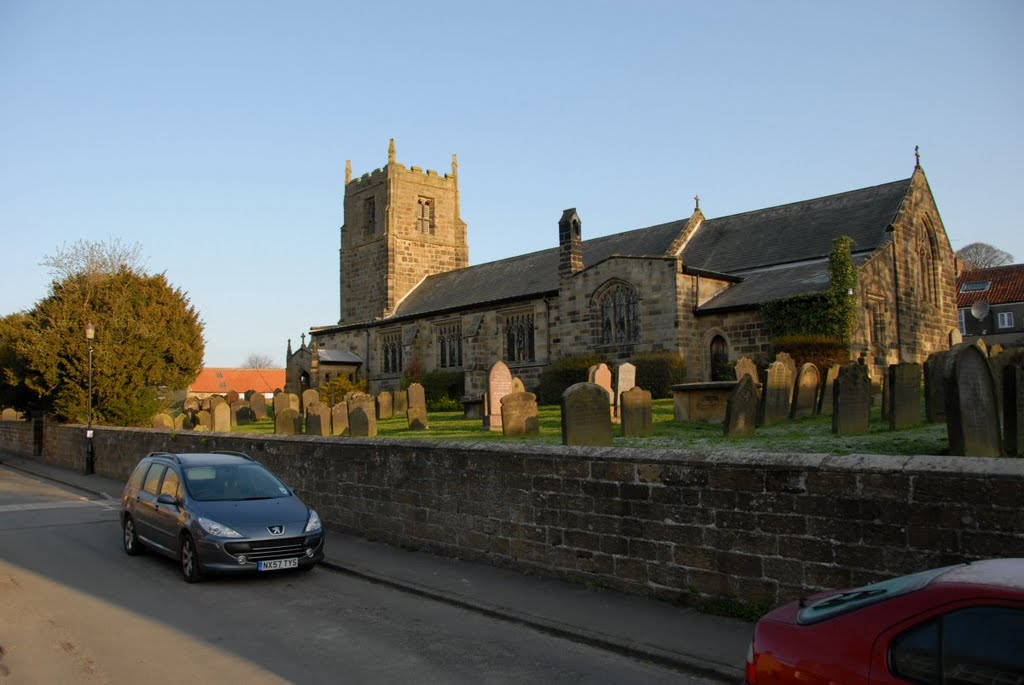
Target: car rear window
(850,600)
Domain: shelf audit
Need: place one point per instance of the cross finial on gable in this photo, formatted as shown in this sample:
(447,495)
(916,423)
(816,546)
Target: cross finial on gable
(917,157)
(696,198)
(303,339)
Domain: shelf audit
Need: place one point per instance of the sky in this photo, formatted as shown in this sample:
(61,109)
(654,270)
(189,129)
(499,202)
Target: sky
(214,133)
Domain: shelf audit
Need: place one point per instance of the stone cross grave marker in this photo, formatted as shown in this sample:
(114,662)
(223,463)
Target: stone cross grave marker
(385,404)
(318,419)
(625,379)
(636,413)
(746,367)
(904,395)
(339,419)
(585,416)
(805,391)
(288,421)
(519,415)
(775,400)
(499,384)
(972,414)
(741,409)
(851,401)
(935,388)
(825,396)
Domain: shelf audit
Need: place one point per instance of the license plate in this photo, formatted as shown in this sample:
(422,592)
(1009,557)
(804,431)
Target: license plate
(277,564)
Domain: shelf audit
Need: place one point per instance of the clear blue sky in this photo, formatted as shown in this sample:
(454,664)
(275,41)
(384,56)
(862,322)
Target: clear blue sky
(215,133)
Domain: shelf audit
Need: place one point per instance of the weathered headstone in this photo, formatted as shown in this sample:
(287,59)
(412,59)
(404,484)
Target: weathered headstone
(258,404)
(602,376)
(215,401)
(200,428)
(339,419)
(9,414)
(746,367)
(741,409)
(417,396)
(1013,409)
(999,361)
(775,398)
(400,402)
(318,419)
(243,415)
(180,422)
(220,418)
(285,400)
(972,414)
(517,384)
(203,419)
(935,387)
(288,422)
(417,417)
(851,401)
(499,384)
(904,395)
(362,420)
(163,422)
(805,391)
(204,404)
(191,405)
(385,405)
(955,337)
(248,394)
(519,414)
(625,379)
(585,417)
(636,413)
(825,396)
(231,397)
(310,396)
(784,358)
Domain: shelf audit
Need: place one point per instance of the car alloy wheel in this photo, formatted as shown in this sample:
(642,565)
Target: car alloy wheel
(189,560)
(132,546)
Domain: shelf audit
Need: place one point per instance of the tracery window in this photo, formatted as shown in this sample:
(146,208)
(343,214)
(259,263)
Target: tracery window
(876,310)
(449,343)
(425,215)
(620,315)
(519,340)
(391,352)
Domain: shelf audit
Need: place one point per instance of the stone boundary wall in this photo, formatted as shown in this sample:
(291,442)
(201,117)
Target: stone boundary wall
(673,524)
(17,437)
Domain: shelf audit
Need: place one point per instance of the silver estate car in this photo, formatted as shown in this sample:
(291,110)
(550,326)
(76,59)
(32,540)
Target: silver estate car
(220,511)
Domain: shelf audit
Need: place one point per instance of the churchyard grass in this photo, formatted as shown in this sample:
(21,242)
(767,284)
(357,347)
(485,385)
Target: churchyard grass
(810,435)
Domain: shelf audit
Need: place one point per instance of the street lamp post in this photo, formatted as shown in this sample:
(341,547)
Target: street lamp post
(90,333)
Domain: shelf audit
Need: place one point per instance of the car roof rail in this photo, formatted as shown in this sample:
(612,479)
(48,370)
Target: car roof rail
(233,453)
(170,455)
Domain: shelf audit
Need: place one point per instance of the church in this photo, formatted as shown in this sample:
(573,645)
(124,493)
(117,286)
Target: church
(691,286)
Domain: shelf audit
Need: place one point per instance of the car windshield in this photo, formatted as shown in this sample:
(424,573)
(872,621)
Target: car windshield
(844,602)
(233,482)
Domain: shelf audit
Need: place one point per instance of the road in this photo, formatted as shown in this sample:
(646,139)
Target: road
(75,609)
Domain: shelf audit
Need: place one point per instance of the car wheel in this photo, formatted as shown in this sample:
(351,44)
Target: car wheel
(190,560)
(132,546)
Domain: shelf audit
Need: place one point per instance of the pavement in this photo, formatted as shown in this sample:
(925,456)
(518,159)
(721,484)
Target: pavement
(674,636)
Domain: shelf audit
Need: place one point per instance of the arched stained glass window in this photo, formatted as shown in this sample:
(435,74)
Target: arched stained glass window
(619,307)
(519,337)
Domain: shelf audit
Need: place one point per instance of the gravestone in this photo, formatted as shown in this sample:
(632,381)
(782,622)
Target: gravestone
(746,367)
(400,401)
(982,345)
(363,401)
(636,413)
(972,414)
(499,384)
(339,419)
(385,405)
(904,395)
(9,414)
(1013,409)
(602,376)
(231,397)
(585,417)
(309,397)
(851,401)
(362,420)
(519,414)
(191,405)
(318,419)
(417,417)
(741,408)
(517,384)
(163,422)
(200,428)
(220,418)
(775,399)
(805,392)
(204,404)
(180,420)
(288,422)
(203,420)
(935,388)
(242,414)
(825,397)
(215,401)
(955,337)
(258,404)
(248,394)
(417,397)
(995,350)
(998,362)
(625,379)
(784,358)
(283,401)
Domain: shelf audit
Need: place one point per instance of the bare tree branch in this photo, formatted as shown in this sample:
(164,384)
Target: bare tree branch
(983,256)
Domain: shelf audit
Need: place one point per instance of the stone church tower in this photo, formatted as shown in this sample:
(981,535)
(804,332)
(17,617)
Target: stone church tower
(401,225)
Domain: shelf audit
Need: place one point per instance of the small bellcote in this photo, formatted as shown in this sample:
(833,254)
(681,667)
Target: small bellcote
(570,243)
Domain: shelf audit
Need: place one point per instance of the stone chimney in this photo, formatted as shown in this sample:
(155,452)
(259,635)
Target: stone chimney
(570,243)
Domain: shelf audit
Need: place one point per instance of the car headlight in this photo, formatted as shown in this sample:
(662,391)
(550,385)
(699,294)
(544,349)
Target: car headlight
(313,524)
(218,529)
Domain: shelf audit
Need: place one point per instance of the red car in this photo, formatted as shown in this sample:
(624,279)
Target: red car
(956,625)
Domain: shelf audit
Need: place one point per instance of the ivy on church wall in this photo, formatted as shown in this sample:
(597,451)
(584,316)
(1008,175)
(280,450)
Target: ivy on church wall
(831,314)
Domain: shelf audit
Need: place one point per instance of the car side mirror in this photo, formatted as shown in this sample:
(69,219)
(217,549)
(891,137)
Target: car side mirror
(164,498)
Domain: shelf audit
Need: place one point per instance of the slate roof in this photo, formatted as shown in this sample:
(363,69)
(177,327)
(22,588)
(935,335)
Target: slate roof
(221,381)
(338,357)
(1007,285)
(798,234)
